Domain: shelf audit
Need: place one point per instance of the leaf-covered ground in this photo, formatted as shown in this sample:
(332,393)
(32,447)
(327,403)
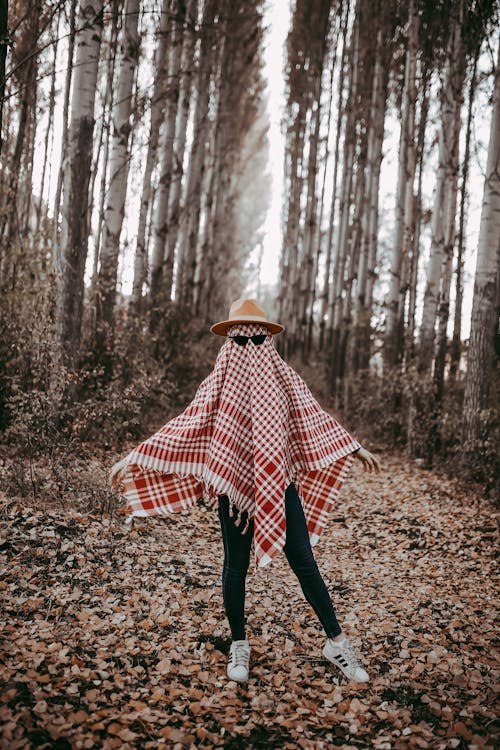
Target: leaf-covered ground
(116,638)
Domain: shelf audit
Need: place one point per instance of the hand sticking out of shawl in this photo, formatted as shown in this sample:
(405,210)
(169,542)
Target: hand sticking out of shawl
(116,473)
(369,461)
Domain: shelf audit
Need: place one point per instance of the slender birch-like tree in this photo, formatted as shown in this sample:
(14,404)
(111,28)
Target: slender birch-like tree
(417,214)
(369,219)
(326,300)
(74,227)
(4,40)
(181,129)
(346,198)
(161,287)
(56,247)
(117,181)
(101,156)
(157,113)
(25,65)
(393,349)
(456,343)
(485,312)
(444,202)
(192,200)
(306,280)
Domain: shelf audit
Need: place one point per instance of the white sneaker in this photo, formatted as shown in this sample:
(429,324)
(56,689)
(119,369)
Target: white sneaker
(342,654)
(239,657)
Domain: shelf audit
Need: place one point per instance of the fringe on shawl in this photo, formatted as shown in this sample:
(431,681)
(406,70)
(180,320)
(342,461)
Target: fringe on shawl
(210,496)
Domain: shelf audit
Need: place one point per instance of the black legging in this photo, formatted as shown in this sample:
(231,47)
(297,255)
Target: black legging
(298,553)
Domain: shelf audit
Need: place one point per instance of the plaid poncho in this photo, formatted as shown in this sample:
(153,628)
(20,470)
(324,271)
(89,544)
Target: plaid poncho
(252,428)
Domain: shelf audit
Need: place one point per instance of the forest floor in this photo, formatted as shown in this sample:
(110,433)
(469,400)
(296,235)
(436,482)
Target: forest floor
(116,637)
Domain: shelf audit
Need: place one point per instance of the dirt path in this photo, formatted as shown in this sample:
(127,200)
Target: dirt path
(117,638)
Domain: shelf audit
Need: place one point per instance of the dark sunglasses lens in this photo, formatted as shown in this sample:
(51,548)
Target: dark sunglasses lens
(241,340)
(258,339)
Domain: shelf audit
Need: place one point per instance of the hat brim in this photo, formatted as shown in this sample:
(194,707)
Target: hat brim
(221,328)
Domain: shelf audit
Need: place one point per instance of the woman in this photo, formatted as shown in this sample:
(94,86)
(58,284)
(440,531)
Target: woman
(254,442)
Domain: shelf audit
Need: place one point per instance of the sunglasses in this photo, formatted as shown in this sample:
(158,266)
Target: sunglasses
(257,340)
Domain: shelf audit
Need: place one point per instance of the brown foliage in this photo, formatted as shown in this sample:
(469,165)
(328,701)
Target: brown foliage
(117,638)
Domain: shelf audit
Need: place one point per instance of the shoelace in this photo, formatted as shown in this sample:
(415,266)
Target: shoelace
(347,657)
(240,655)
(351,655)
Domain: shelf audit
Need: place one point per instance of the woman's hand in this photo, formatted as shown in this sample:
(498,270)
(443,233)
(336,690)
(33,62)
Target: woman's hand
(117,472)
(369,461)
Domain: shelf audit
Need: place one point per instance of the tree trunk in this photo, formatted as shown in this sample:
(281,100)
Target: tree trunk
(347,348)
(417,218)
(74,238)
(27,74)
(450,101)
(319,239)
(366,272)
(341,255)
(4,35)
(104,134)
(456,344)
(157,111)
(306,275)
(181,126)
(292,228)
(326,296)
(56,239)
(484,319)
(50,126)
(393,345)
(24,210)
(159,293)
(215,178)
(117,184)
(449,222)
(191,223)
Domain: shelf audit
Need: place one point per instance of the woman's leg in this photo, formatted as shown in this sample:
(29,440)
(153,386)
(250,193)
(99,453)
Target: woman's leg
(236,562)
(300,556)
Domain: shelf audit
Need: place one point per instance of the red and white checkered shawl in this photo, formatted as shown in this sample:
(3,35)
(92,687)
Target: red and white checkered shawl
(252,428)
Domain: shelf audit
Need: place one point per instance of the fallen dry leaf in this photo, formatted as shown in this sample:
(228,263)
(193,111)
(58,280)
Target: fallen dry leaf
(117,638)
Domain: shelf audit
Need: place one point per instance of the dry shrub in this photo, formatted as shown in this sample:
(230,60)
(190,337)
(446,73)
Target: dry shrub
(52,441)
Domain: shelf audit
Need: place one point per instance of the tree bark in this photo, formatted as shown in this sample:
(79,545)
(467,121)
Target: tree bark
(215,177)
(484,319)
(368,259)
(4,40)
(181,126)
(191,223)
(450,206)
(326,296)
(157,112)
(393,345)
(27,73)
(295,147)
(50,126)
(443,196)
(341,255)
(74,238)
(103,160)
(456,343)
(417,217)
(117,184)
(56,239)
(307,268)
(159,293)
(319,235)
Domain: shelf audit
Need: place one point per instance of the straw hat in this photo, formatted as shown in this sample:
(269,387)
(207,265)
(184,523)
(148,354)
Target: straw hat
(245,311)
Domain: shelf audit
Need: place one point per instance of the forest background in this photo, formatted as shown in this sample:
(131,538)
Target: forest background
(113,266)
(140,175)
